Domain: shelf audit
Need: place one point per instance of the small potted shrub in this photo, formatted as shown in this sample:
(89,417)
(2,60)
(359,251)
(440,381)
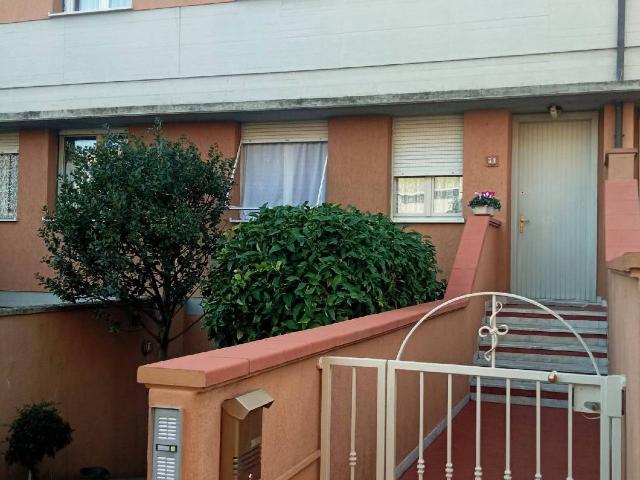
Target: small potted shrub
(36,432)
(484,203)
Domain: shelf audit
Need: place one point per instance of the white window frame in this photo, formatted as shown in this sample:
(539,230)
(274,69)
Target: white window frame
(426,217)
(71,7)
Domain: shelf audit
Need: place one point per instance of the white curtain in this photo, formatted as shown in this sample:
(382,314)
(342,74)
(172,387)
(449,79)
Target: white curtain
(283,174)
(88,5)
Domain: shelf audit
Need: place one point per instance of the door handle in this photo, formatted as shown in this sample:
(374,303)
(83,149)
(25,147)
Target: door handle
(523,221)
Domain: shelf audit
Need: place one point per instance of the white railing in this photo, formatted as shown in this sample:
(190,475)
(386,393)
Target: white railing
(586,393)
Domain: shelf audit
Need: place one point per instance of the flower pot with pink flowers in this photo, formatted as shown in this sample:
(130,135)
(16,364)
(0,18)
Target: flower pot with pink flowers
(484,203)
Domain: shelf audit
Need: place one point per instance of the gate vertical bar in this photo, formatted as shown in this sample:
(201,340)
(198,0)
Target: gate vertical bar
(538,474)
(325,425)
(381,420)
(478,470)
(390,451)
(570,434)
(420,466)
(605,434)
(448,469)
(353,458)
(613,387)
(507,440)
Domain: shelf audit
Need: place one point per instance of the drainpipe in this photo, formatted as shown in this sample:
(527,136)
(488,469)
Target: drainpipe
(622,4)
(618,125)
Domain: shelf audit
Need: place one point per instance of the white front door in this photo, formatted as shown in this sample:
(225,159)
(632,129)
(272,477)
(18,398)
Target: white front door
(554,193)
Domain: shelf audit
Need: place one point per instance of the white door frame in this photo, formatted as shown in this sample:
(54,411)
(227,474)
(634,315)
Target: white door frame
(516,120)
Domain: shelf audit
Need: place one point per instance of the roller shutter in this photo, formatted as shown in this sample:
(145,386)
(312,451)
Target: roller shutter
(9,142)
(285,132)
(428,146)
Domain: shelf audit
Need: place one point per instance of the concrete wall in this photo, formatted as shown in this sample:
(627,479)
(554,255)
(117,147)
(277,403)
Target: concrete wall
(271,50)
(286,367)
(68,357)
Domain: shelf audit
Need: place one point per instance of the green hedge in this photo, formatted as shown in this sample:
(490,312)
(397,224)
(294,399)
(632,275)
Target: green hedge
(293,268)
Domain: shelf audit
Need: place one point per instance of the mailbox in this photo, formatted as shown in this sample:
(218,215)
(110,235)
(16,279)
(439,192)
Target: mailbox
(241,437)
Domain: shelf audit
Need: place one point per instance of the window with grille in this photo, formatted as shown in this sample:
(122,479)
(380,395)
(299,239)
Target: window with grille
(427,168)
(8,186)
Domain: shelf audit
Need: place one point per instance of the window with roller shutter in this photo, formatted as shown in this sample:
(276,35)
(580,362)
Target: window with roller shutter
(427,168)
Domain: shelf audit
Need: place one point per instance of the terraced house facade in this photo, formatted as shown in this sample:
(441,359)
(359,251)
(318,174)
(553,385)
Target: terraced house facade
(404,108)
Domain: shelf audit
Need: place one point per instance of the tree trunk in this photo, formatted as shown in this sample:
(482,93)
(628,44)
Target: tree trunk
(163,351)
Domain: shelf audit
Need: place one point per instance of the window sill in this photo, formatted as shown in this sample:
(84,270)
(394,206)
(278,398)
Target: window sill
(428,219)
(3,220)
(89,12)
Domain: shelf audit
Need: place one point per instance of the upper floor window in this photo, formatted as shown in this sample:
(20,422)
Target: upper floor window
(8,176)
(94,5)
(427,169)
(282,164)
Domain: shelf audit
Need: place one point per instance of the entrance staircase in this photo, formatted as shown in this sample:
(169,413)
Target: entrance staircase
(538,341)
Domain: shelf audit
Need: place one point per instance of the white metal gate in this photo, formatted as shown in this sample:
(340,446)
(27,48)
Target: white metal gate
(593,393)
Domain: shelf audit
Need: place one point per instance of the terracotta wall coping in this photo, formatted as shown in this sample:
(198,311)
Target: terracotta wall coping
(213,368)
(625,263)
(622,150)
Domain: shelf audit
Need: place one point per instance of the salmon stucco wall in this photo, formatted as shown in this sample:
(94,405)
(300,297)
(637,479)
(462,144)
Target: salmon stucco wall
(25,10)
(359,174)
(12,11)
(68,357)
(151,4)
(488,133)
(21,248)
(624,337)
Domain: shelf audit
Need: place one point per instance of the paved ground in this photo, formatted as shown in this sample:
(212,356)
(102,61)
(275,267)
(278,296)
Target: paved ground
(554,445)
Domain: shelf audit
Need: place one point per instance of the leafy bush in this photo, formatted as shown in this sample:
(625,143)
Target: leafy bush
(293,268)
(37,431)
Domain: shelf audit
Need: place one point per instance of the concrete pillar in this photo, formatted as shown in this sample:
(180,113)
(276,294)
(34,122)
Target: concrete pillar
(488,133)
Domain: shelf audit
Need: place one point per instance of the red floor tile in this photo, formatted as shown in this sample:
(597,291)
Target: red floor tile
(553,440)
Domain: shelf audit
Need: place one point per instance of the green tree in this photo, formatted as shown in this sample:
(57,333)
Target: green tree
(293,268)
(135,225)
(37,431)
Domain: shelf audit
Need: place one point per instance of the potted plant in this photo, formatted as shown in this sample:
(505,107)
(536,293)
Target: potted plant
(37,431)
(484,203)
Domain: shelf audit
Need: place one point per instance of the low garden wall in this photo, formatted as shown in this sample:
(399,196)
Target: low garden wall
(287,368)
(67,356)
(624,354)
